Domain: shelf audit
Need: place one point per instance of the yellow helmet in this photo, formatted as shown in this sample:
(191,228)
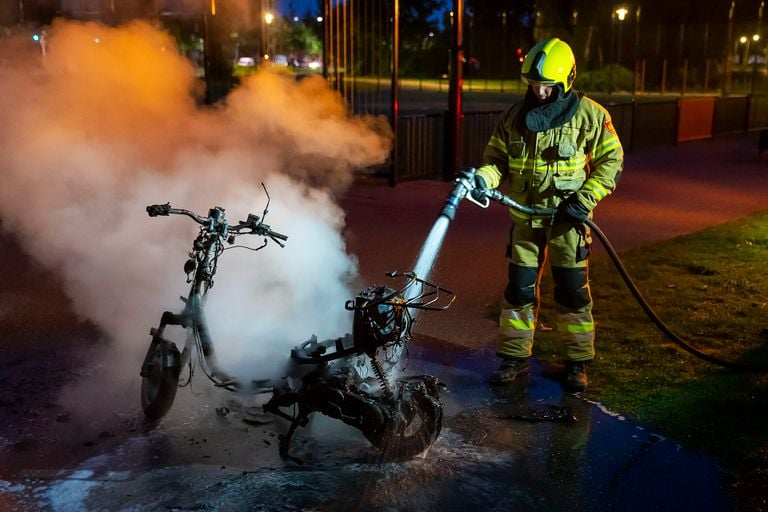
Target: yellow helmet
(550,62)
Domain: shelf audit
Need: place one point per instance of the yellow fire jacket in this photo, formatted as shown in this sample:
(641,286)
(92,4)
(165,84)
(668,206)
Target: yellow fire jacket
(583,156)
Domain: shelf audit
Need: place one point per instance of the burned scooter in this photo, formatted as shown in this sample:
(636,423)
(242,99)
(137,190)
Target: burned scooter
(402,417)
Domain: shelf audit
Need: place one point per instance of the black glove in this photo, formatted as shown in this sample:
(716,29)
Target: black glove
(479,193)
(571,210)
(479,188)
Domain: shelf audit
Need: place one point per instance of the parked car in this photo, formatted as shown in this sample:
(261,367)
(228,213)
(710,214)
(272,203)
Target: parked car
(246,61)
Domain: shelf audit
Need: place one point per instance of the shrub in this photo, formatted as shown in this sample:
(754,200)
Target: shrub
(611,78)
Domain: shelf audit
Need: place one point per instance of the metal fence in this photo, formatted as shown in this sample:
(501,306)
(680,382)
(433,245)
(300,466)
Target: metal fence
(639,124)
(731,115)
(758,113)
(623,116)
(421,145)
(421,142)
(477,128)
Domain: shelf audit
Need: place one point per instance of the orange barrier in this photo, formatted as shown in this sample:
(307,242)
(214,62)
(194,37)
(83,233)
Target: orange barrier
(695,118)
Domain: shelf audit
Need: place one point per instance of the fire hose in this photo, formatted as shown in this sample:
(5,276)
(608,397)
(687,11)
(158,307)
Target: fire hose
(462,190)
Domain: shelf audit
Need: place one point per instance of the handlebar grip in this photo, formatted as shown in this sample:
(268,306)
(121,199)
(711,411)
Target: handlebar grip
(280,236)
(159,209)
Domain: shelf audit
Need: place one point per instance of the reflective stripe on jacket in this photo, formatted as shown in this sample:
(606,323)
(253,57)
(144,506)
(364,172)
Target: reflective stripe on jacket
(583,156)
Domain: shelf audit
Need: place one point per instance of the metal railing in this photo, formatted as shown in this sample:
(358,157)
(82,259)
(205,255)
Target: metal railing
(640,125)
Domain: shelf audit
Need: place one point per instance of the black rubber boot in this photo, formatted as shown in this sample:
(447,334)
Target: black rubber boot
(576,375)
(510,371)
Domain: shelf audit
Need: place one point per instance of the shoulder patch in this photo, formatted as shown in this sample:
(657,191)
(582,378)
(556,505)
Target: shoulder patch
(609,126)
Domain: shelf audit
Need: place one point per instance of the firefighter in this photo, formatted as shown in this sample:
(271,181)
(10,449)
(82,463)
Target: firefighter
(557,149)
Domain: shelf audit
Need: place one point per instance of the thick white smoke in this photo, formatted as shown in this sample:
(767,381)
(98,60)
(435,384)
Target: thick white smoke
(106,123)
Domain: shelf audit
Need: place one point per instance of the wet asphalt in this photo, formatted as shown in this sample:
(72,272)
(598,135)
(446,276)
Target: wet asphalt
(531,447)
(663,192)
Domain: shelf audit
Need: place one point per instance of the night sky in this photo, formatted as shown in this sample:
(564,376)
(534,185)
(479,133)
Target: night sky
(298,7)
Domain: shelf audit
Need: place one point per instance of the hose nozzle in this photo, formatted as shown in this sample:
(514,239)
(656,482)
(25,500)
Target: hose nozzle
(464,185)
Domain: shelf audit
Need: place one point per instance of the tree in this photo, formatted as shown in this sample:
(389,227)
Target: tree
(494,30)
(300,38)
(423,45)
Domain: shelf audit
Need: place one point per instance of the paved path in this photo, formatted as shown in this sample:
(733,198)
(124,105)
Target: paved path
(664,192)
(54,458)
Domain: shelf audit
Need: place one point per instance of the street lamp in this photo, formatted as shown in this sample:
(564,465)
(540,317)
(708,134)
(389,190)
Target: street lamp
(747,42)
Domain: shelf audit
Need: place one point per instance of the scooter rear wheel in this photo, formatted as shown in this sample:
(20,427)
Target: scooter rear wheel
(160,379)
(416,423)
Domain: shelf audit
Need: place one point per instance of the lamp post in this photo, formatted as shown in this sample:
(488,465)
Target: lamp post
(728,60)
(453,156)
(621,14)
(739,56)
(637,81)
(395,92)
(736,43)
(745,55)
(326,38)
(755,39)
(268,19)
(207,48)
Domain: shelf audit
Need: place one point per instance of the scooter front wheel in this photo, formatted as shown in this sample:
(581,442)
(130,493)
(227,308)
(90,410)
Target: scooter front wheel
(159,378)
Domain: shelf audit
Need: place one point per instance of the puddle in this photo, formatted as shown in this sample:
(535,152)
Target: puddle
(531,447)
(569,452)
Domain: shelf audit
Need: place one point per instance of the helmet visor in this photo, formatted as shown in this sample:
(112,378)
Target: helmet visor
(538,83)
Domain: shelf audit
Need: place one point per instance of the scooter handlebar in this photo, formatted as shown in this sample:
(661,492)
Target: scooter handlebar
(254,223)
(159,209)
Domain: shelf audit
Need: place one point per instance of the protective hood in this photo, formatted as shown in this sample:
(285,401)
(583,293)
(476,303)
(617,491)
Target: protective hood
(542,117)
